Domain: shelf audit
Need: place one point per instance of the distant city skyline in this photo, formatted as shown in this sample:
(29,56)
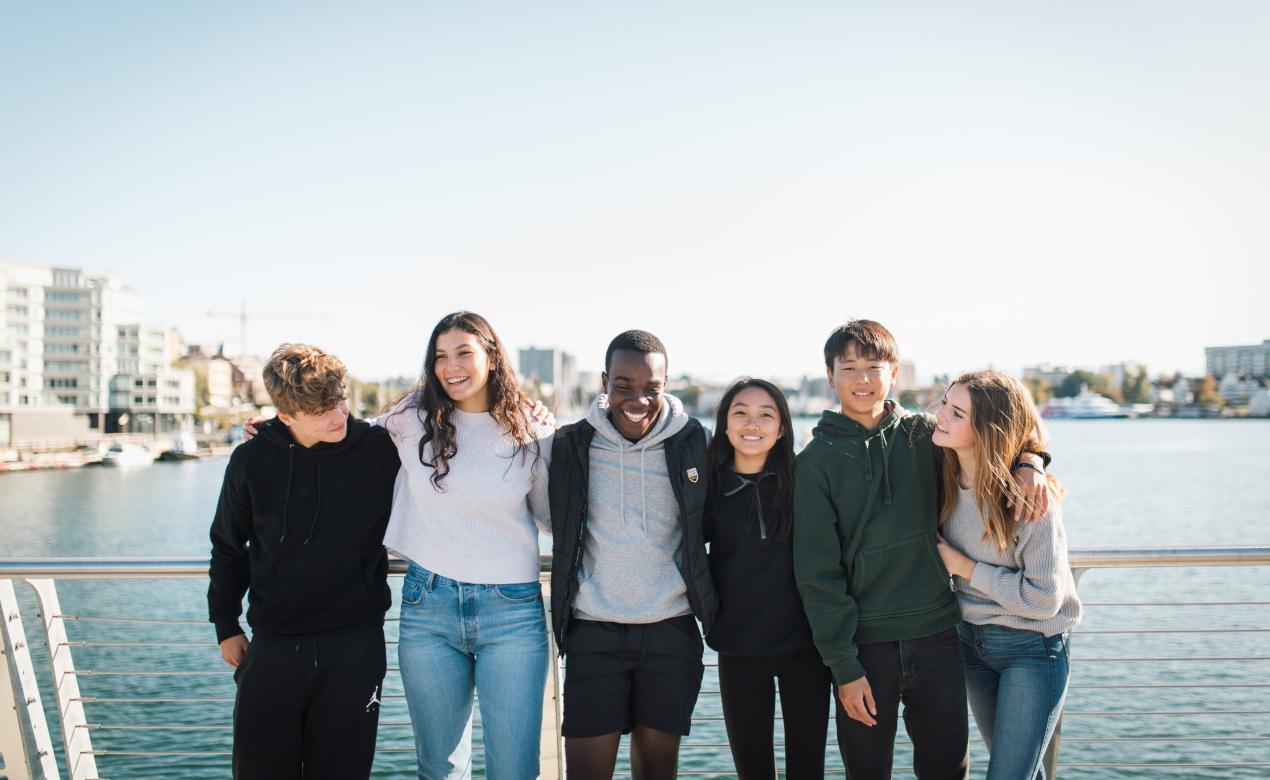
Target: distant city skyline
(1080,184)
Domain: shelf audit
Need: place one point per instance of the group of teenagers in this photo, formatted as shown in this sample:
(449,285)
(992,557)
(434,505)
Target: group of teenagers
(900,562)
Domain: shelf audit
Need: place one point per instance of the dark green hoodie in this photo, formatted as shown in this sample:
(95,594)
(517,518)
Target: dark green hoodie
(865,516)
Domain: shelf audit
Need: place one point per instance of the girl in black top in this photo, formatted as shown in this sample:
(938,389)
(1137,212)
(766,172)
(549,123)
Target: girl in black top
(761,633)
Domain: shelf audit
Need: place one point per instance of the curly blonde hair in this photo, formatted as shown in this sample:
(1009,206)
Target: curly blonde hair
(303,378)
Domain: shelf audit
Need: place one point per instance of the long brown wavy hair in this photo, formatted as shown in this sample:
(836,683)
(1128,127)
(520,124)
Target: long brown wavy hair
(434,407)
(1006,425)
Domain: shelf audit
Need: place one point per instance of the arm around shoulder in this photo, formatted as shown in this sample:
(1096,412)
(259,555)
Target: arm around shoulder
(539,497)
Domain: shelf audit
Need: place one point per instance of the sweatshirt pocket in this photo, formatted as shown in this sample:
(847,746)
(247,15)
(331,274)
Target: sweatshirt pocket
(899,577)
(314,590)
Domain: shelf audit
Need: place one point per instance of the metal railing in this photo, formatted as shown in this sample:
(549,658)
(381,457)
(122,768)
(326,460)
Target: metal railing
(1138,705)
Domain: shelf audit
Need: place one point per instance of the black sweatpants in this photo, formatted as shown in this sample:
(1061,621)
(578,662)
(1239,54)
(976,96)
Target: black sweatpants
(926,676)
(747,687)
(308,707)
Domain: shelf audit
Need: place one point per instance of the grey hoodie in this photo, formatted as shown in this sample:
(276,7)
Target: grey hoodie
(628,571)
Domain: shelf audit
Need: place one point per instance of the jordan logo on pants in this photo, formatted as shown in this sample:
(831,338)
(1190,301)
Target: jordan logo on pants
(374,699)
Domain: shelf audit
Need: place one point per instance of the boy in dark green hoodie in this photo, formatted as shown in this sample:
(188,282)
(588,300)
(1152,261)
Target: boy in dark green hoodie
(877,595)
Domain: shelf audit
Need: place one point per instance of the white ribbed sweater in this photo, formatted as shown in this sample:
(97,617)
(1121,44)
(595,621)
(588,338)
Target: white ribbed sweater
(1028,585)
(482,527)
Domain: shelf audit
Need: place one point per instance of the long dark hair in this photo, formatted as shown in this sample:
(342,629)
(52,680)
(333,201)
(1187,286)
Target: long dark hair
(780,458)
(434,407)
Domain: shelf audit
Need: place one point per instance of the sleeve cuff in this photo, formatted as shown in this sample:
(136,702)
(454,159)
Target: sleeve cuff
(846,670)
(227,630)
(978,577)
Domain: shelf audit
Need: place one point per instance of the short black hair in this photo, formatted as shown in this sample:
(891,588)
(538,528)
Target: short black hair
(872,340)
(640,341)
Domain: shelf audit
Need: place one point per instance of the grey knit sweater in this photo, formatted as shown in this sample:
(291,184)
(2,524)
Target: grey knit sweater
(1028,585)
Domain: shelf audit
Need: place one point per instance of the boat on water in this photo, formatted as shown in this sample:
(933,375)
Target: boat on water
(184,447)
(1086,406)
(127,455)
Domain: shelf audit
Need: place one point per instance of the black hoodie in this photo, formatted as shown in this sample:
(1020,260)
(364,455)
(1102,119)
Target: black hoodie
(301,531)
(760,613)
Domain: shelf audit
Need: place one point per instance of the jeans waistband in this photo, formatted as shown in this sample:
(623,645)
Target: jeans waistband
(996,629)
(431,579)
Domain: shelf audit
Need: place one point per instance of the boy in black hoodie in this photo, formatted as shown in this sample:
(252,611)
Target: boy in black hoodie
(299,528)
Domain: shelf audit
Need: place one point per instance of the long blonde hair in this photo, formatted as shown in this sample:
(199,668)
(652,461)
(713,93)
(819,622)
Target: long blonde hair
(1006,425)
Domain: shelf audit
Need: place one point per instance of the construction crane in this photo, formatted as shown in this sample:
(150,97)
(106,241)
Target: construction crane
(242,316)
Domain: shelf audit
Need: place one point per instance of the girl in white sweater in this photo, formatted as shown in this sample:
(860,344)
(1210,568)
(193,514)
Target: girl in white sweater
(1017,594)
(470,500)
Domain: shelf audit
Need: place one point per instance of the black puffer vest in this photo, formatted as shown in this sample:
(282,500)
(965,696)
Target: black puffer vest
(570,479)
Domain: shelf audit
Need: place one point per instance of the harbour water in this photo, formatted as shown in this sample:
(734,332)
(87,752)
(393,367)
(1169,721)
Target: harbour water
(1133,483)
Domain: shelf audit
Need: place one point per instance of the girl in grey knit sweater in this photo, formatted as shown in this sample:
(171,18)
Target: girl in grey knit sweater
(1016,591)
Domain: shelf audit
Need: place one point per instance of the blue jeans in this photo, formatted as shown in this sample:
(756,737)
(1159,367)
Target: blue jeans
(457,636)
(1016,682)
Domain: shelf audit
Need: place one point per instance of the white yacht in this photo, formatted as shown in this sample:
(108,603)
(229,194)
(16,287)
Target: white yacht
(127,455)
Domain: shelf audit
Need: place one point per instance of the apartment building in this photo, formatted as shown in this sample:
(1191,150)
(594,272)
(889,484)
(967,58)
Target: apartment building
(70,340)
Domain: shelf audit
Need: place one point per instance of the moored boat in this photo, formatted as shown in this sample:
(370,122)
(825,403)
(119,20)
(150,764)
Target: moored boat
(127,455)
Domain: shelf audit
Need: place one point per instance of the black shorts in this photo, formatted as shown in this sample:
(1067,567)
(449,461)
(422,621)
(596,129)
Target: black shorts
(621,675)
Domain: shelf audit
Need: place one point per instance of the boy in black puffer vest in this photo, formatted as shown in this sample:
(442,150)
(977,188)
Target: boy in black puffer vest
(629,569)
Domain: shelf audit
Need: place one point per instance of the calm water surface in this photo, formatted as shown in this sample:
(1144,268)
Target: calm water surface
(1132,484)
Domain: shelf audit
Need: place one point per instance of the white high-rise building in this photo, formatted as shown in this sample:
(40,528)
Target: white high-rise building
(69,341)
(1251,360)
(22,336)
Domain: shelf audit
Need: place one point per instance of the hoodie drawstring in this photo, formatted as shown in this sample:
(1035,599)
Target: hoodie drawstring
(643,505)
(886,472)
(318,508)
(287,500)
(621,474)
(757,500)
(643,501)
(880,436)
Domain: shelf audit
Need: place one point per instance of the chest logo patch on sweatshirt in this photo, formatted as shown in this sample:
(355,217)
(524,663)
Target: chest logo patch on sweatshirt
(692,475)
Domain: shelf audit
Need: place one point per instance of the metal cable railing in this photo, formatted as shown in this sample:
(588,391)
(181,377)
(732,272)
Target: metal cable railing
(151,688)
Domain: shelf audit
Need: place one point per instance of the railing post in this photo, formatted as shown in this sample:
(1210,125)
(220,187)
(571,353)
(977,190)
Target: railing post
(24,733)
(80,762)
(1049,762)
(551,763)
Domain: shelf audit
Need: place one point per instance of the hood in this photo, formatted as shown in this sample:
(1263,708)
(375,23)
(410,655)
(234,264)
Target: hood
(841,432)
(276,433)
(735,482)
(670,420)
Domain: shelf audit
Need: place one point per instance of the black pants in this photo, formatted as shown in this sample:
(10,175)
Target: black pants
(308,707)
(926,676)
(749,701)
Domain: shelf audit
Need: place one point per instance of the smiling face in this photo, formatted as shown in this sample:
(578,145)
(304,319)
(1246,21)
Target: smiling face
(754,427)
(953,428)
(862,384)
(634,382)
(462,367)
(329,427)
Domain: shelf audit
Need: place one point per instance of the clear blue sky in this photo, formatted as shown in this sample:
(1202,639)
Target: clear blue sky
(1000,183)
